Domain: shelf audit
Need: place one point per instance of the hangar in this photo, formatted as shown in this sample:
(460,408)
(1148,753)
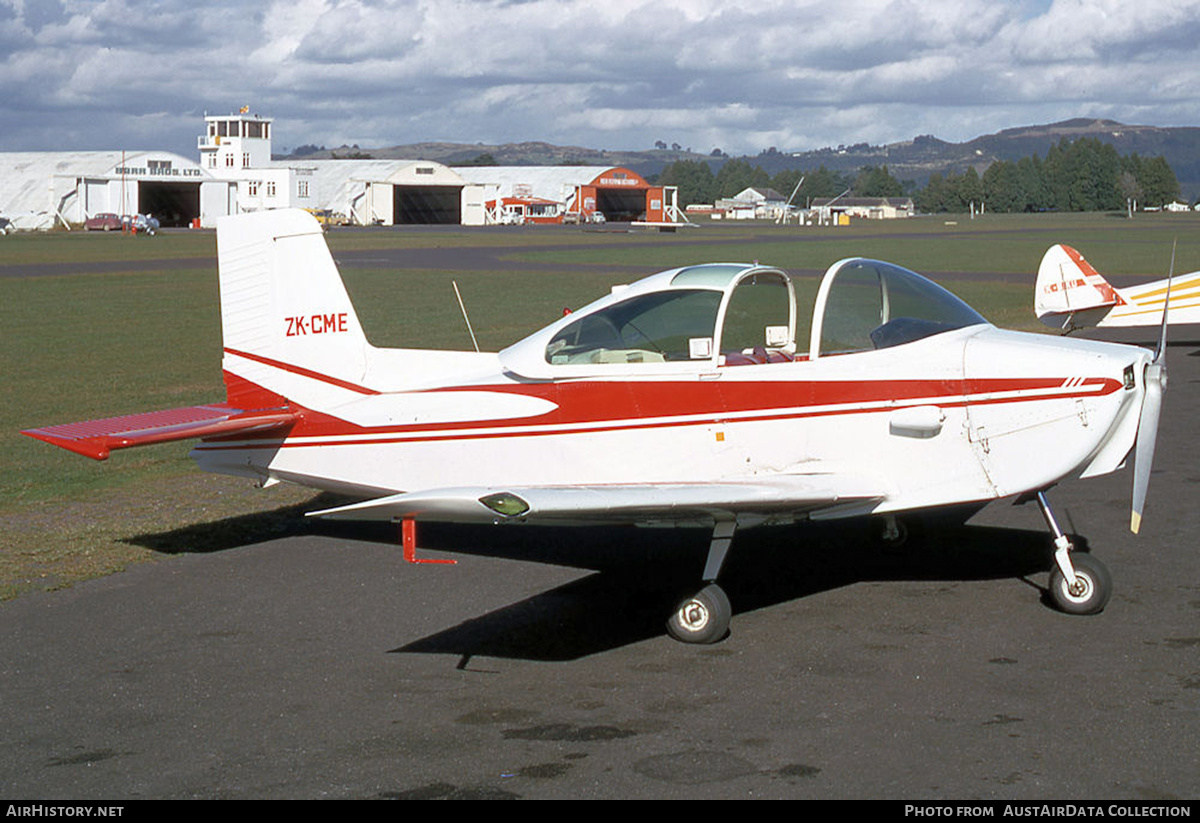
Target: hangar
(619,194)
(399,192)
(38,189)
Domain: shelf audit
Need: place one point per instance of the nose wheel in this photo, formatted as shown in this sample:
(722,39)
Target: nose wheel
(1089,592)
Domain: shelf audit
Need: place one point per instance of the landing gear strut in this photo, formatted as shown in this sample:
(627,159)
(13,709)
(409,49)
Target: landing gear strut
(1079,583)
(704,617)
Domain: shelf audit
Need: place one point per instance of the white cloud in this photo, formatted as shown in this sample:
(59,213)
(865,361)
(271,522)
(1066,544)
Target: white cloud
(619,74)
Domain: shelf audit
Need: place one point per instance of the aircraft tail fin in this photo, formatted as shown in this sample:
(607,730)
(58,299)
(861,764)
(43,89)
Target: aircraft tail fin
(1069,293)
(288,326)
(290,334)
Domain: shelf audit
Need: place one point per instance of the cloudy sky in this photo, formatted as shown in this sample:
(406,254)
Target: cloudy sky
(740,75)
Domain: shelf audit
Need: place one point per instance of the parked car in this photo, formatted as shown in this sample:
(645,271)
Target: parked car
(328,217)
(105,221)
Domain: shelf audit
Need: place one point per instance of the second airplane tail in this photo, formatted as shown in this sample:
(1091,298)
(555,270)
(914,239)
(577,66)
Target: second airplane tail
(1069,293)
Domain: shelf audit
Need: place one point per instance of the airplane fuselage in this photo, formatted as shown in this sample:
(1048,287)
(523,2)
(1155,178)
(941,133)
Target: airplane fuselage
(972,414)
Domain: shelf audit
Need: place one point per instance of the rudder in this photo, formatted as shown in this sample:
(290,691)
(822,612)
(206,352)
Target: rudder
(288,326)
(1068,287)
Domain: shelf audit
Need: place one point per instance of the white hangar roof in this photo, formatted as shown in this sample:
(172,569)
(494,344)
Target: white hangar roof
(25,176)
(340,182)
(550,182)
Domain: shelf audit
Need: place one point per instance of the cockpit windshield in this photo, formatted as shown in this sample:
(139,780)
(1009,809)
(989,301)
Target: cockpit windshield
(873,305)
(651,328)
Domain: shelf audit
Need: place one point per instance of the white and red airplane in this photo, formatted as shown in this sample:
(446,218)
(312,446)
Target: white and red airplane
(1070,294)
(718,394)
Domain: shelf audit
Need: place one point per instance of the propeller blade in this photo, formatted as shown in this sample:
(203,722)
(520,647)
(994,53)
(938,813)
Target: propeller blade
(1143,457)
(1147,435)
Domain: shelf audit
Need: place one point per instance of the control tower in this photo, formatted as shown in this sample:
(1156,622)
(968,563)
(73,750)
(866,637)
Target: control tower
(234,142)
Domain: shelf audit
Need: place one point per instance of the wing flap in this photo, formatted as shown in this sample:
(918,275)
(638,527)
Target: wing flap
(623,503)
(97,438)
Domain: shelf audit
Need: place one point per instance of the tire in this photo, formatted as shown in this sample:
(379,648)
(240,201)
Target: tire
(887,538)
(1093,586)
(703,617)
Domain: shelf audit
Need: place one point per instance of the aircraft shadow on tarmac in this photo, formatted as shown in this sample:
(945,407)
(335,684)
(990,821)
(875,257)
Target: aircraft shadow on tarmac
(235,532)
(639,574)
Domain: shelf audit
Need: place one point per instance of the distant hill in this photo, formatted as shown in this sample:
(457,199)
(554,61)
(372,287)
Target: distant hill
(916,159)
(508,154)
(912,159)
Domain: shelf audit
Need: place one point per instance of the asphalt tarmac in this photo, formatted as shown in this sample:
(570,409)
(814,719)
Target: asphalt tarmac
(321,665)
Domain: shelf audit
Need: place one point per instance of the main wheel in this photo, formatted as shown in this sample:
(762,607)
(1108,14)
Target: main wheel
(703,617)
(889,532)
(1093,586)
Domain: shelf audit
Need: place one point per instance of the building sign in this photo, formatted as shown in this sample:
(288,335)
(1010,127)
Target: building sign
(618,181)
(158,168)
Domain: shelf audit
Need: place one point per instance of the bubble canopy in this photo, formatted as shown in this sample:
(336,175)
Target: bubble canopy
(699,318)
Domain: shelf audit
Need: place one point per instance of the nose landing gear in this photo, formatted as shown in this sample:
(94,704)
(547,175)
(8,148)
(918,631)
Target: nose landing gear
(1079,583)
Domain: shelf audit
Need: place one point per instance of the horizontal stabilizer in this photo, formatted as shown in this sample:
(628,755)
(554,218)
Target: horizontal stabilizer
(96,438)
(624,503)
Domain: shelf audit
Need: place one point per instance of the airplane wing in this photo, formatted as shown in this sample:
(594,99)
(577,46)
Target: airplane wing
(818,495)
(97,438)
(1143,305)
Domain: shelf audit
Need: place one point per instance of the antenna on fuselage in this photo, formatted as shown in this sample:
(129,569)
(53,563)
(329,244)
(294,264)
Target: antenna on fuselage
(463,308)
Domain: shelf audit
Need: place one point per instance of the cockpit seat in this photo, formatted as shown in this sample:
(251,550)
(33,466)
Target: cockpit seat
(756,356)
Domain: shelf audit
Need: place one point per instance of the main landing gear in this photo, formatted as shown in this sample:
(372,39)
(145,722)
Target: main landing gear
(704,617)
(1079,583)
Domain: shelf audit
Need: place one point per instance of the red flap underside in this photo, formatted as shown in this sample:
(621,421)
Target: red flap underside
(96,438)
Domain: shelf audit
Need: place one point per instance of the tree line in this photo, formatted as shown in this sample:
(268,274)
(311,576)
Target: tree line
(1080,175)
(698,184)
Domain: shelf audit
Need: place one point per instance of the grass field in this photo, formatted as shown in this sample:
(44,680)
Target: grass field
(139,333)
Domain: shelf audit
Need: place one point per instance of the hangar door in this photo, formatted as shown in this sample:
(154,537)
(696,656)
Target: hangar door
(621,205)
(426,204)
(174,204)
